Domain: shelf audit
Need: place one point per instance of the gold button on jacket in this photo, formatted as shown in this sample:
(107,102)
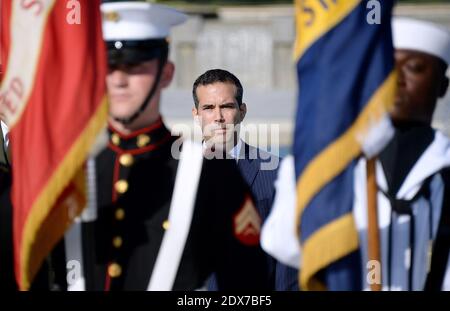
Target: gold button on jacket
(121,186)
(114,270)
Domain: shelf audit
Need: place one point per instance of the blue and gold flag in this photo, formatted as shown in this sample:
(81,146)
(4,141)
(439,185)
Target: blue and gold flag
(346,87)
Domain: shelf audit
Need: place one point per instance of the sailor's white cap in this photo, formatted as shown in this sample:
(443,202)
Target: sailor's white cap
(422,36)
(132,20)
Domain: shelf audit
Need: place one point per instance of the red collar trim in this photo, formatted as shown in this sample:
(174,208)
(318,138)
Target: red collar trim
(146,130)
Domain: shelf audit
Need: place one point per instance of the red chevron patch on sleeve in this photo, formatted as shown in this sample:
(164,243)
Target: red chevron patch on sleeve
(247,223)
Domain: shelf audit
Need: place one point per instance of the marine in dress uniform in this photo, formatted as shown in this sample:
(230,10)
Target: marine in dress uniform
(412,173)
(136,176)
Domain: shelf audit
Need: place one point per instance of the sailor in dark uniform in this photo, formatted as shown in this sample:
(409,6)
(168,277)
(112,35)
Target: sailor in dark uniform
(159,223)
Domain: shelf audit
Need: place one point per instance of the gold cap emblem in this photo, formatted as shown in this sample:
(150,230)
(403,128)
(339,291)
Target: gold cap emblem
(111,16)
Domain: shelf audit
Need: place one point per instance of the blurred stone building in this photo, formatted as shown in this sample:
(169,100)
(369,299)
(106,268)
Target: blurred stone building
(256,44)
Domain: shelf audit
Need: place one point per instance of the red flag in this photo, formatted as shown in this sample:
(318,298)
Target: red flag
(53,97)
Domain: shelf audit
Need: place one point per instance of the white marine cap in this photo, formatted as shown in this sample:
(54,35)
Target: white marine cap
(417,35)
(132,20)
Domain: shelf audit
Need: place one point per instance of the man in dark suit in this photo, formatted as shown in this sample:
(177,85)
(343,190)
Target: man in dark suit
(219,110)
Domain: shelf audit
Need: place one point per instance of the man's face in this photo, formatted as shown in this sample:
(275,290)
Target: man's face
(219,112)
(129,85)
(420,83)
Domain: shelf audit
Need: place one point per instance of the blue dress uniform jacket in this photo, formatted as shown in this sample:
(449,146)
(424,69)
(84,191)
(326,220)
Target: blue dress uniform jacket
(136,176)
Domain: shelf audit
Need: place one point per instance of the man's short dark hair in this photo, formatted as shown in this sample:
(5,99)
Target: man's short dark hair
(218,75)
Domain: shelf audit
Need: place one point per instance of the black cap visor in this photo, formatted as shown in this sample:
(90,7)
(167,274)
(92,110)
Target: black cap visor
(132,52)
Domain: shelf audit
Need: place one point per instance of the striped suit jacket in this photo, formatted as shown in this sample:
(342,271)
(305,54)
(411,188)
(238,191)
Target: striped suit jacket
(259,169)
